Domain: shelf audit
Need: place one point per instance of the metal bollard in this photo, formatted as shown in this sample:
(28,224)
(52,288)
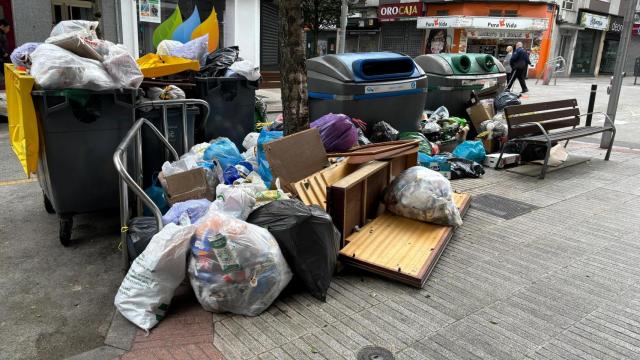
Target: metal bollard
(592,101)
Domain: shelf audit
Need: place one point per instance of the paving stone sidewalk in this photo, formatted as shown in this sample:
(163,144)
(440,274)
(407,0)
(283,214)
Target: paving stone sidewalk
(560,282)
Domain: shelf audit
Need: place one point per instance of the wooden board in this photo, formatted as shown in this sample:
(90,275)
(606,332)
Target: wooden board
(296,157)
(355,198)
(313,189)
(380,151)
(399,248)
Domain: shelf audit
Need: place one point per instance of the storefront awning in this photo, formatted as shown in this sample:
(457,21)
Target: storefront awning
(482,22)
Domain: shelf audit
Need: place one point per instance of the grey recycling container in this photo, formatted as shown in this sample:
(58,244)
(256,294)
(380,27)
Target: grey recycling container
(79,132)
(373,87)
(232,103)
(453,77)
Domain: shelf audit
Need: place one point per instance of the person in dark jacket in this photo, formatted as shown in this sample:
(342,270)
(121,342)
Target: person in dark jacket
(5,51)
(519,66)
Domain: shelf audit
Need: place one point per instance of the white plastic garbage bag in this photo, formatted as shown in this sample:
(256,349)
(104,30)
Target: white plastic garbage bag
(235,266)
(146,292)
(196,49)
(423,194)
(247,69)
(56,68)
(70,26)
(122,66)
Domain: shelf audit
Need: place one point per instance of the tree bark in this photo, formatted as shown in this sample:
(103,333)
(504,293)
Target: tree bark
(293,69)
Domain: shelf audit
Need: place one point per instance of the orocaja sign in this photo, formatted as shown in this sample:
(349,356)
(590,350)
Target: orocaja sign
(390,12)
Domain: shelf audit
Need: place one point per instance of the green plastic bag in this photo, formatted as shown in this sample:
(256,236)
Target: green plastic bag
(425,146)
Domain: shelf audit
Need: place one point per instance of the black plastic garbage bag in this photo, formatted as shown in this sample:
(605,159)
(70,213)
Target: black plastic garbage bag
(362,140)
(528,152)
(382,131)
(505,99)
(463,168)
(308,240)
(140,230)
(219,61)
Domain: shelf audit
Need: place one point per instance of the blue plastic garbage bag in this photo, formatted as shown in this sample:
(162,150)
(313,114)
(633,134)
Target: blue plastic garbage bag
(470,150)
(240,171)
(156,193)
(426,160)
(194,209)
(224,151)
(263,165)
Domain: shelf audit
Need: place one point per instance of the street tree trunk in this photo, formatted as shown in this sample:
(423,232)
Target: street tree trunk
(293,70)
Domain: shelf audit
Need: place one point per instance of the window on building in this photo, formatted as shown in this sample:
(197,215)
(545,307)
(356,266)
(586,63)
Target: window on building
(71,10)
(494,12)
(567,4)
(511,13)
(442,12)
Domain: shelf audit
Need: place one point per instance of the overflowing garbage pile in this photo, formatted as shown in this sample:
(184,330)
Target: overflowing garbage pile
(74,58)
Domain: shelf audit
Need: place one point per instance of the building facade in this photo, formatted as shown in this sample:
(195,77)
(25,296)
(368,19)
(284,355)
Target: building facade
(588,36)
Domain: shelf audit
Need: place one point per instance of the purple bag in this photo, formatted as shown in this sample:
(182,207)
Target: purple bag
(337,131)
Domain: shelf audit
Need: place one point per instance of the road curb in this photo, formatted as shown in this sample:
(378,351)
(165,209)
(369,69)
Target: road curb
(118,341)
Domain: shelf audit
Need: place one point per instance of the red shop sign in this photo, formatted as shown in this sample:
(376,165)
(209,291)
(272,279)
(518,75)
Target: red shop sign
(391,12)
(636,29)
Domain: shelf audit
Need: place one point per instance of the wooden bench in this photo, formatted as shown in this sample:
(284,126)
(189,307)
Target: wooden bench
(548,122)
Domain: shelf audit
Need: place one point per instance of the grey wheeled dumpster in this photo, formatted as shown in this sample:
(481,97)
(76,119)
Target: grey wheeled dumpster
(373,87)
(453,77)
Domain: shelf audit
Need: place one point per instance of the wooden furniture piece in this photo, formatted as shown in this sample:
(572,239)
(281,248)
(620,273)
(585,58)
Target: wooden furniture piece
(399,248)
(313,189)
(548,122)
(356,197)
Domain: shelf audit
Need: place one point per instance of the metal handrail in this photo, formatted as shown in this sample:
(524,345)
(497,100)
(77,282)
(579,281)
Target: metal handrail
(127,182)
(558,65)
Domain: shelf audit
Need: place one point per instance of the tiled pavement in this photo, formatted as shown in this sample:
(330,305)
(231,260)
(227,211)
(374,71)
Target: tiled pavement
(560,282)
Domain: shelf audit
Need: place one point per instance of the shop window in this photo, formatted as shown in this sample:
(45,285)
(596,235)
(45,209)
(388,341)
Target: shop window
(511,13)
(567,4)
(442,12)
(493,12)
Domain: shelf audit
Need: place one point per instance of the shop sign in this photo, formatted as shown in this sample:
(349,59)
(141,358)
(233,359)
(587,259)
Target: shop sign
(636,30)
(149,11)
(441,22)
(403,11)
(593,21)
(615,24)
(499,34)
(509,23)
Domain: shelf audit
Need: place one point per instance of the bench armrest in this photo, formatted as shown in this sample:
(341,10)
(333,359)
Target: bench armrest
(542,129)
(607,119)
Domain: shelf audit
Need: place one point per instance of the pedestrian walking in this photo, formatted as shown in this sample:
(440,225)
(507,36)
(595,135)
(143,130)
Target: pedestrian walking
(519,65)
(5,51)
(507,62)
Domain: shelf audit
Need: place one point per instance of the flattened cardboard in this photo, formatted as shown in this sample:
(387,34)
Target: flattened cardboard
(296,157)
(188,185)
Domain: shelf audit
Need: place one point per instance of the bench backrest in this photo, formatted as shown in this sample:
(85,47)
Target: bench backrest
(551,115)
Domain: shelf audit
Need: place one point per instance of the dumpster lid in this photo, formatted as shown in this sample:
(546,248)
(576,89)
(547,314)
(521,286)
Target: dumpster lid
(365,67)
(445,64)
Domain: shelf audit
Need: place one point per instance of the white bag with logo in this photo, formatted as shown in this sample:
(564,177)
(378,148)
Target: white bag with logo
(146,292)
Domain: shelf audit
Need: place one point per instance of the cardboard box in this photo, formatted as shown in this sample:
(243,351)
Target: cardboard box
(478,113)
(188,185)
(507,160)
(442,168)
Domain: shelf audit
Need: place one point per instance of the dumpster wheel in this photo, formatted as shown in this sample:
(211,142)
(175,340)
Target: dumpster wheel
(47,204)
(66,224)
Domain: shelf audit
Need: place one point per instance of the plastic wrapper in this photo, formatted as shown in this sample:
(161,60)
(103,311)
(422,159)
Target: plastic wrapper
(246,69)
(471,150)
(156,194)
(382,131)
(78,43)
(182,165)
(263,165)
(277,124)
(235,201)
(20,56)
(217,62)
(337,131)
(195,49)
(146,291)
(441,113)
(224,151)
(362,139)
(505,99)
(251,140)
(308,239)
(495,128)
(140,231)
(235,266)
(187,212)
(423,194)
(122,67)
(170,92)
(56,68)
(431,127)
(425,146)
(237,172)
(72,26)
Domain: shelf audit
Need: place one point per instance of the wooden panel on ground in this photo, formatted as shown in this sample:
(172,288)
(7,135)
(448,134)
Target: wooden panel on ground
(355,198)
(296,156)
(399,248)
(313,189)
(386,150)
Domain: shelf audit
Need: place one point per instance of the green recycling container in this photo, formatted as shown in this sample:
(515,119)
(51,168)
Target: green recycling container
(452,78)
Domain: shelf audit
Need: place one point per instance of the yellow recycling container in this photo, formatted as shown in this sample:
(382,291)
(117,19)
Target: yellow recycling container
(23,124)
(153,65)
